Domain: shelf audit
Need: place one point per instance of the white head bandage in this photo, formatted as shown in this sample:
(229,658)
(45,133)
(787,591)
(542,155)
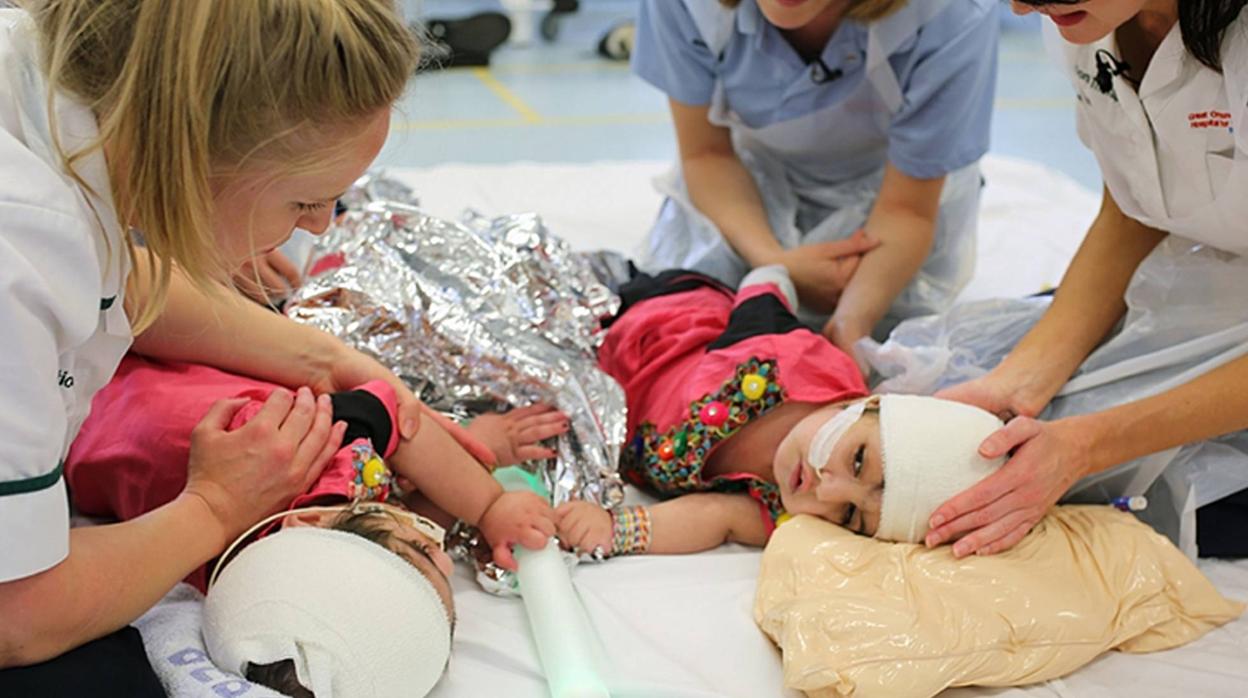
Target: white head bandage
(356,619)
(931,453)
(831,433)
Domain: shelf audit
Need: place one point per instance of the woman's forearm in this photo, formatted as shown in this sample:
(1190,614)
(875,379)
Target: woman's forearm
(903,220)
(905,240)
(1087,305)
(1209,406)
(725,192)
(233,334)
(113,575)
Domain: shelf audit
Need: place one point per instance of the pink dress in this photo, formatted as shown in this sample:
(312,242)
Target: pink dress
(131,454)
(698,362)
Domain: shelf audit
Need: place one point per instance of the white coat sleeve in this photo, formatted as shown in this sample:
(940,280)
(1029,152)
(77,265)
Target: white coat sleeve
(36,278)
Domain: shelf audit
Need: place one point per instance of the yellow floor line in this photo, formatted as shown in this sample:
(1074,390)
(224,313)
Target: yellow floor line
(529,117)
(527,113)
(542,121)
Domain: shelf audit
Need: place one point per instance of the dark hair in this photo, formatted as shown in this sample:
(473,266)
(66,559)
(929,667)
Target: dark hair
(1203,23)
(279,676)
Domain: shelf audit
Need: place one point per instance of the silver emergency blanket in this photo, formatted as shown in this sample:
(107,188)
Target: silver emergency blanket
(480,315)
(1186,316)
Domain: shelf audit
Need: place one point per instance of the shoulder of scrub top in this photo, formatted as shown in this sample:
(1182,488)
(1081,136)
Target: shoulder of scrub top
(949,83)
(48,241)
(670,54)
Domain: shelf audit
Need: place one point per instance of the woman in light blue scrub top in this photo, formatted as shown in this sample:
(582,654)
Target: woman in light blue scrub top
(803,122)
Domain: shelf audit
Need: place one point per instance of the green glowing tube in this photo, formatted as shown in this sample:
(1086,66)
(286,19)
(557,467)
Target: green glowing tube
(565,641)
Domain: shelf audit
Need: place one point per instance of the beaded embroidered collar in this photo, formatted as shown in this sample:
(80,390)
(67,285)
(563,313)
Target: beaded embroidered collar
(670,463)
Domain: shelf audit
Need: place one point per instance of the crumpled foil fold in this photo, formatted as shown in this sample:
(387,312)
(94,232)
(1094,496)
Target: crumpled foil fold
(478,315)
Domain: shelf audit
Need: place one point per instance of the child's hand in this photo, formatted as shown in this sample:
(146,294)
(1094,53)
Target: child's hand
(516,436)
(584,527)
(517,517)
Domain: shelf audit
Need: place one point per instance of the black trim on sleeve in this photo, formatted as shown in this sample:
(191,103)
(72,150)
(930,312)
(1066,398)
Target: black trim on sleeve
(646,286)
(366,417)
(761,315)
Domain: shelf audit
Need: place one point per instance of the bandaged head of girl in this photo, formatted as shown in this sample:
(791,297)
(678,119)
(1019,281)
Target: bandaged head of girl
(930,452)
(356,619)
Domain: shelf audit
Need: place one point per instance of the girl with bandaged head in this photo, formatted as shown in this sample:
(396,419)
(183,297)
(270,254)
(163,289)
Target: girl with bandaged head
(739,415)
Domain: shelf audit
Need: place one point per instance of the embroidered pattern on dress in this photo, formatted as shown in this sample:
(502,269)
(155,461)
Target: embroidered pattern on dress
(371,482)
(670,463)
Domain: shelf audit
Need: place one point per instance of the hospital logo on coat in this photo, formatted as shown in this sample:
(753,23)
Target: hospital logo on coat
(65,379)
(1213,118)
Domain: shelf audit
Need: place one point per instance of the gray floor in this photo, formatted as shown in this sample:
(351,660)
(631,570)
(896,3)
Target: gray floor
(558,102)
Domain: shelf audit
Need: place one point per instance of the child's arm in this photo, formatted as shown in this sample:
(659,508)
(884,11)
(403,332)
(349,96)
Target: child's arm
(440,468)
(688,524)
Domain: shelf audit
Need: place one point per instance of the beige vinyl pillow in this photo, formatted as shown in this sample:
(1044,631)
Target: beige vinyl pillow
(854,616)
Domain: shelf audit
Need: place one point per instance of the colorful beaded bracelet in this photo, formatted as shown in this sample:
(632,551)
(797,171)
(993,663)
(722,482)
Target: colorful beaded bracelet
(630,530)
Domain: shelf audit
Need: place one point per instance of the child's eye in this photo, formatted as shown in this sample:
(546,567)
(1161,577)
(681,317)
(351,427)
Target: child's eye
(309,208)
(849,515)
(858,456)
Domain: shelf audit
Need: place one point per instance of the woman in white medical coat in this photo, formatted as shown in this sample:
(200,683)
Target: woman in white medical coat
(801,123)
(1162,87)
(204,132)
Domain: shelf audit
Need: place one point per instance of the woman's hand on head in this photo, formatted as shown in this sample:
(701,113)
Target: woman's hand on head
(516,436)
(997,393)
(821,270)
(994,515)
(257,469)
(268,277)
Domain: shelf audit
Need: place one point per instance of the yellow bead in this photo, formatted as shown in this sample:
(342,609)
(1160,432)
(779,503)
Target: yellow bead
(783,518)
(375,473)
(754,386)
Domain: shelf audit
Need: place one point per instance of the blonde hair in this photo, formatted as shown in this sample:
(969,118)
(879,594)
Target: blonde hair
(185,91)
(862,10)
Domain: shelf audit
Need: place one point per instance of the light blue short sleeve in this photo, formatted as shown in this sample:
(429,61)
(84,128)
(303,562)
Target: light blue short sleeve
(949,87)
(670,54)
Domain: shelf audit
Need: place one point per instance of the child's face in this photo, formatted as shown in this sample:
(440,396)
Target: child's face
(851,485)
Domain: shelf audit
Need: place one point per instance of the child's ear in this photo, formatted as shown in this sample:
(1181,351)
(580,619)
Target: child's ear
(319,518)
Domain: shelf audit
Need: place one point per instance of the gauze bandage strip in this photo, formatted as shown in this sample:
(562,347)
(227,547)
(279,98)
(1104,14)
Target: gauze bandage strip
(831,433)
(356,619)
(930,453)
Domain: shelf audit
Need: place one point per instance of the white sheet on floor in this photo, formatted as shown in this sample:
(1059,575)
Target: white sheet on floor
(680,627)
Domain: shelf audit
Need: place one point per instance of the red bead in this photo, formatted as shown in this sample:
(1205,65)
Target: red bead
(667,451)
(713,414)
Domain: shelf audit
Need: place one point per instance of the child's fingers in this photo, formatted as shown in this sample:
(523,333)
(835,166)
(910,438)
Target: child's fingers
(504,558)
(531,410)
(533,433)
(545,525)
(533,539)
(580,535)
(527,453)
